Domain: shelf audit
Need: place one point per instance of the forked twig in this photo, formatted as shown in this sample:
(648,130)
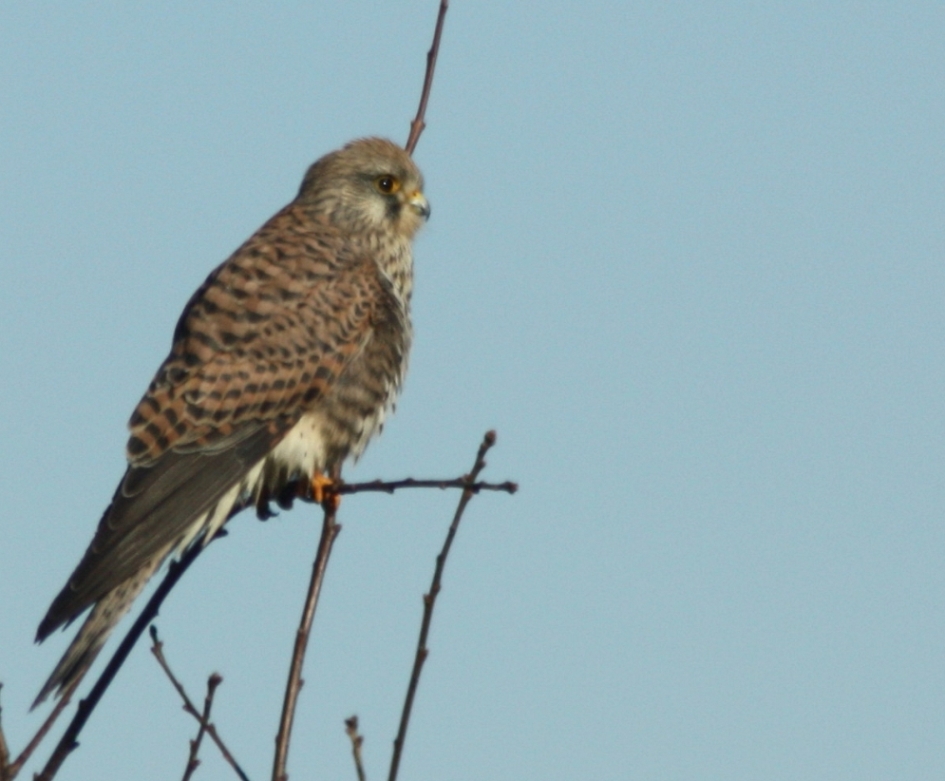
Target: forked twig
(192,759)
(157,648)
(418,124)
(68,742)
(330,529)
(429,599)
(357,740)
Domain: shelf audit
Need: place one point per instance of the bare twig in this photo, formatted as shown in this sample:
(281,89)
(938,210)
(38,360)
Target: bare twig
(9,772)
(390,486)
(330,529)
(68,743)
(351,728)
(192,760)
(157,648)
(4,750)
(429,600)
(175,571)
(418,124)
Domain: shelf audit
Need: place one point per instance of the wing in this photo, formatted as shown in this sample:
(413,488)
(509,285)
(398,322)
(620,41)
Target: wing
(264,340)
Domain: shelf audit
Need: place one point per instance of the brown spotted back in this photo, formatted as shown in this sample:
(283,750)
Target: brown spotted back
(308,320)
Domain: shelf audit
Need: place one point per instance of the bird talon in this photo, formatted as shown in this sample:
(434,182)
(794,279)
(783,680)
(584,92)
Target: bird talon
(323,491)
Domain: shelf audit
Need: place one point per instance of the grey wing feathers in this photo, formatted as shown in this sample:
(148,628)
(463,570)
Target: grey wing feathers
(153,507)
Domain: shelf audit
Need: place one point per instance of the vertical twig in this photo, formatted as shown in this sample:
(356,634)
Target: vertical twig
(330,529)
(429,600)
(418,124)
(351,729)
(157,648)
(192,760)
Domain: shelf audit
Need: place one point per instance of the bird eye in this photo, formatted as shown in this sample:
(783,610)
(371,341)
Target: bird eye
(387,184)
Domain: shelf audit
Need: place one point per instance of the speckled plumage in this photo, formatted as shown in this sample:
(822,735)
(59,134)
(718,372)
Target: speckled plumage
(284,362)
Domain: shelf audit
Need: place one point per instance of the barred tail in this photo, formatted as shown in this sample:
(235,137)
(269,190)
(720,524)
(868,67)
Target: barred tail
(108,611)
(112,607)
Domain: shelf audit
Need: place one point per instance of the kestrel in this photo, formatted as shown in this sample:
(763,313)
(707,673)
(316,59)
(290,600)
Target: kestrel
(283,364)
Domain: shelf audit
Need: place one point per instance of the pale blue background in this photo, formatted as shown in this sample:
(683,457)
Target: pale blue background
(686,258)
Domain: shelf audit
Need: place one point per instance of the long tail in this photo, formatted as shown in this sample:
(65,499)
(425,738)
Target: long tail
(108,611)
(111,608)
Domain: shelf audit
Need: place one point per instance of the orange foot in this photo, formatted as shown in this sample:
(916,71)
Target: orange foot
(323,490)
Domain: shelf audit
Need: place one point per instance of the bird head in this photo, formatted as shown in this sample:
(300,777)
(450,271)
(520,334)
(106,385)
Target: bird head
(368,185)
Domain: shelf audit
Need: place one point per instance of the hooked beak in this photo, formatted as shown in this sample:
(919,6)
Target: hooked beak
(420,204)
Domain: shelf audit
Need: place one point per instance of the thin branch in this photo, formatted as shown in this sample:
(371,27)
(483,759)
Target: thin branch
(330,529)
(68,743)
(418,124)
(192,760)
(157,648)
(429,599)
(390,486)
(357,740)
(4,749)
(13,769)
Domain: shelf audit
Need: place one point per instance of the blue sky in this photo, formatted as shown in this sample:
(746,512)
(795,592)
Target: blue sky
(686,258)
